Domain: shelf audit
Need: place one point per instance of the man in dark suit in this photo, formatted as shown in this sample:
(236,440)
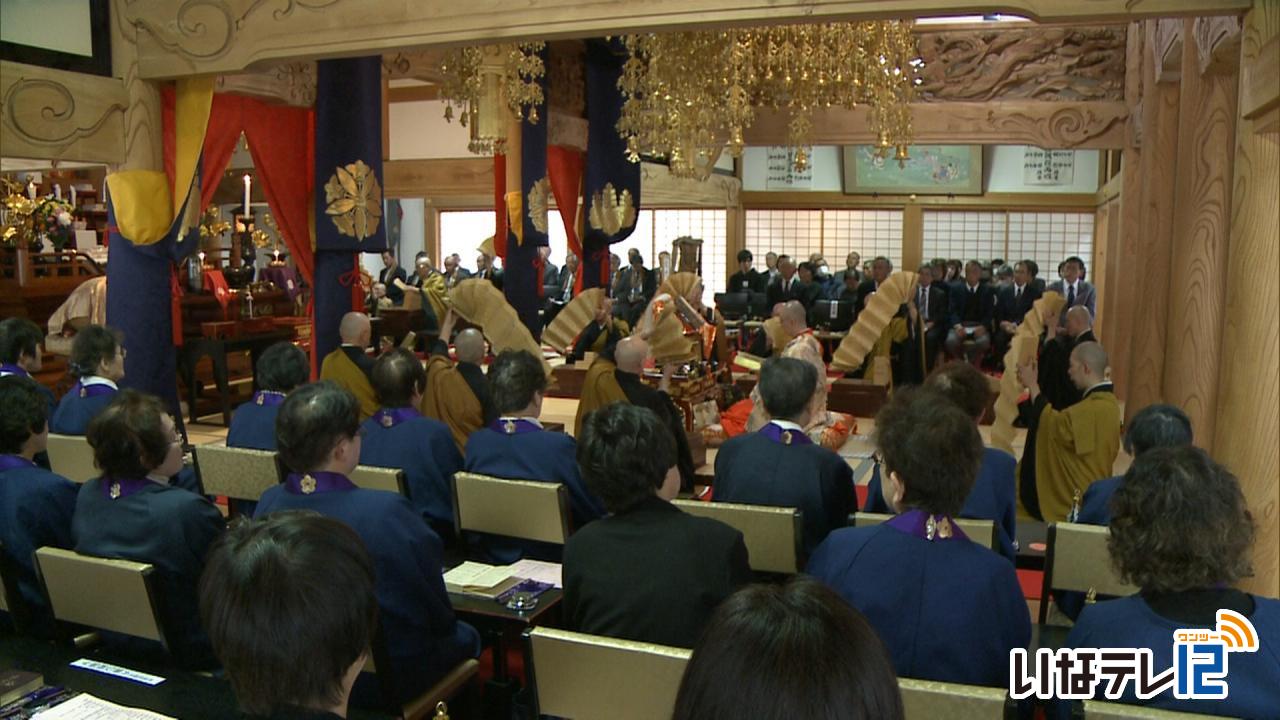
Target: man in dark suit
(632,574)
(562,292)
(927,314)
(747,279)
(810,288)
(881,267)
(635,287)
(1012,304)
(972,308)
(486,271)
(391,272)
(779,465)
(787,286)
(454,273)
(550,274)
(1073,287)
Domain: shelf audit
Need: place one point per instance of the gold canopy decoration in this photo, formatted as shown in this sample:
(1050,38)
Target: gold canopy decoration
(689,94)
(874,318)
(482,304)
(572,320)
(1022,348)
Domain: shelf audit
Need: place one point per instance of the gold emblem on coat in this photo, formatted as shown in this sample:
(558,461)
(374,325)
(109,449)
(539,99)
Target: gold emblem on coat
(940,527)
(510,427)
(84,392)
(115,490)
(387,421)
(307,484)
(354,200)
(611,211)
(786,437)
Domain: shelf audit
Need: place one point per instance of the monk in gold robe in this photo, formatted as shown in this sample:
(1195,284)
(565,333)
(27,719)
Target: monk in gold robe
(457,394)
(1069,449)
(615,377)
(349,366)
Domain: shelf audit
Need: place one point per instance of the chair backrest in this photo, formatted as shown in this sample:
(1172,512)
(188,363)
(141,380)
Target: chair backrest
(238,473)
(102,593)
(982,532)
(929,699)
(584,677)
(71,456)
(527,509)
(1076,558)
(379,478)
(1098,710)
(772,534)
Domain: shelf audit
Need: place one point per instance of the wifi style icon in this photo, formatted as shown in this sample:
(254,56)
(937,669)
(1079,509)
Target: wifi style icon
(1236,632)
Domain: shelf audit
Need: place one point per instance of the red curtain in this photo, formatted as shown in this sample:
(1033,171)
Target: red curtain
(281,141)
(499,206)
(564,170)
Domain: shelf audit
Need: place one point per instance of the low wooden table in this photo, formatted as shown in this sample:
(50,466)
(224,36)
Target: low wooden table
(216,349)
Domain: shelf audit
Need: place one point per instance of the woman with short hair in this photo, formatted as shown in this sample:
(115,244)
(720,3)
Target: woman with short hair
(947,608)
(1182,532)
(97,361)
(132,512)
(281,368)
(796,650)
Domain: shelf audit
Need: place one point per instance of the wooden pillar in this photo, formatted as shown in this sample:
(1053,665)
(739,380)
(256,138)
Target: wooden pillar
(1206,140)
(912,237)
(143,128)
(1159,168)
(735,231)
(1248,401)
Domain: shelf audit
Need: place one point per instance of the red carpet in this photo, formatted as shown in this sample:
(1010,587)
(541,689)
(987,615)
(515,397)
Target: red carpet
(1031,582)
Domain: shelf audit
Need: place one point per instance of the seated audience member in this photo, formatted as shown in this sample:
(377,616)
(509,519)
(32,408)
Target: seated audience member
(281,368)
(132,512)
(648,571)
(747,279)
(35,505)
(947,608)
(1067,450)
(97,360)
(318,436)
(779,465)
(972,308)
(1013,302)
(294,590)
(995,493)
(927,313)
(398,436)
(1155,426)
(1181,531)
(811,288)
(561,289)
(457,393)
(349,366)
(774,652)
(21,352)
(515,446)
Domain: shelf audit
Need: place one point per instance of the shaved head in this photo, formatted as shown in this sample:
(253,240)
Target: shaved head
(470,346)
(1089,363)
(630,354)
(355,329)
(793,318)
(1079,319)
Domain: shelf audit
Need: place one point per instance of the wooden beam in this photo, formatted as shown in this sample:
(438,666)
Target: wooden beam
(1218,43)
(1013,201)
(1260,84)
(1021,122)
(415,93)
(438,179)
(228,36)
(58,115)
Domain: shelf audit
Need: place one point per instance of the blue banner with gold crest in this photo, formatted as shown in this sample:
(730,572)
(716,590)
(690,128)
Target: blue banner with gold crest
(348,182)
(611,182)
(520,281)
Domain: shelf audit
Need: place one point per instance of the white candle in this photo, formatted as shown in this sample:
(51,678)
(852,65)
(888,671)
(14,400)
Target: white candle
(31,189)
(248,183)
(57,191)
(73,197)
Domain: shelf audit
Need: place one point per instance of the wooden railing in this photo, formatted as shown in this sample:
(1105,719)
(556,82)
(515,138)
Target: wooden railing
(59,271)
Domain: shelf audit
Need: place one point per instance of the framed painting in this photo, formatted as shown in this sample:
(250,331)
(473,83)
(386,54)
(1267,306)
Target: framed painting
(931,170)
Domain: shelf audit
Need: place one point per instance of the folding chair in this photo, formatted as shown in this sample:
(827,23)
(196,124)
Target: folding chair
(1076,558)
(380,478)
(238,473)
(772,534)
(103,593)
(71,456)
(982,532)
(929,699)
(525,509)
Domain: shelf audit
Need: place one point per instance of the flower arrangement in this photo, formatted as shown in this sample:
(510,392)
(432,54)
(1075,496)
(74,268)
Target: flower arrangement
(31,221)
(212,226)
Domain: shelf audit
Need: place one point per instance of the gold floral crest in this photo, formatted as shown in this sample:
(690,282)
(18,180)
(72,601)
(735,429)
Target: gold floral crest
(354,200)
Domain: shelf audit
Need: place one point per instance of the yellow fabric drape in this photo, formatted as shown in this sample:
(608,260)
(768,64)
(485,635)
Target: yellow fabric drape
(145,203)
(449,399)
(599,388)
(1075,447)
(338,368)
